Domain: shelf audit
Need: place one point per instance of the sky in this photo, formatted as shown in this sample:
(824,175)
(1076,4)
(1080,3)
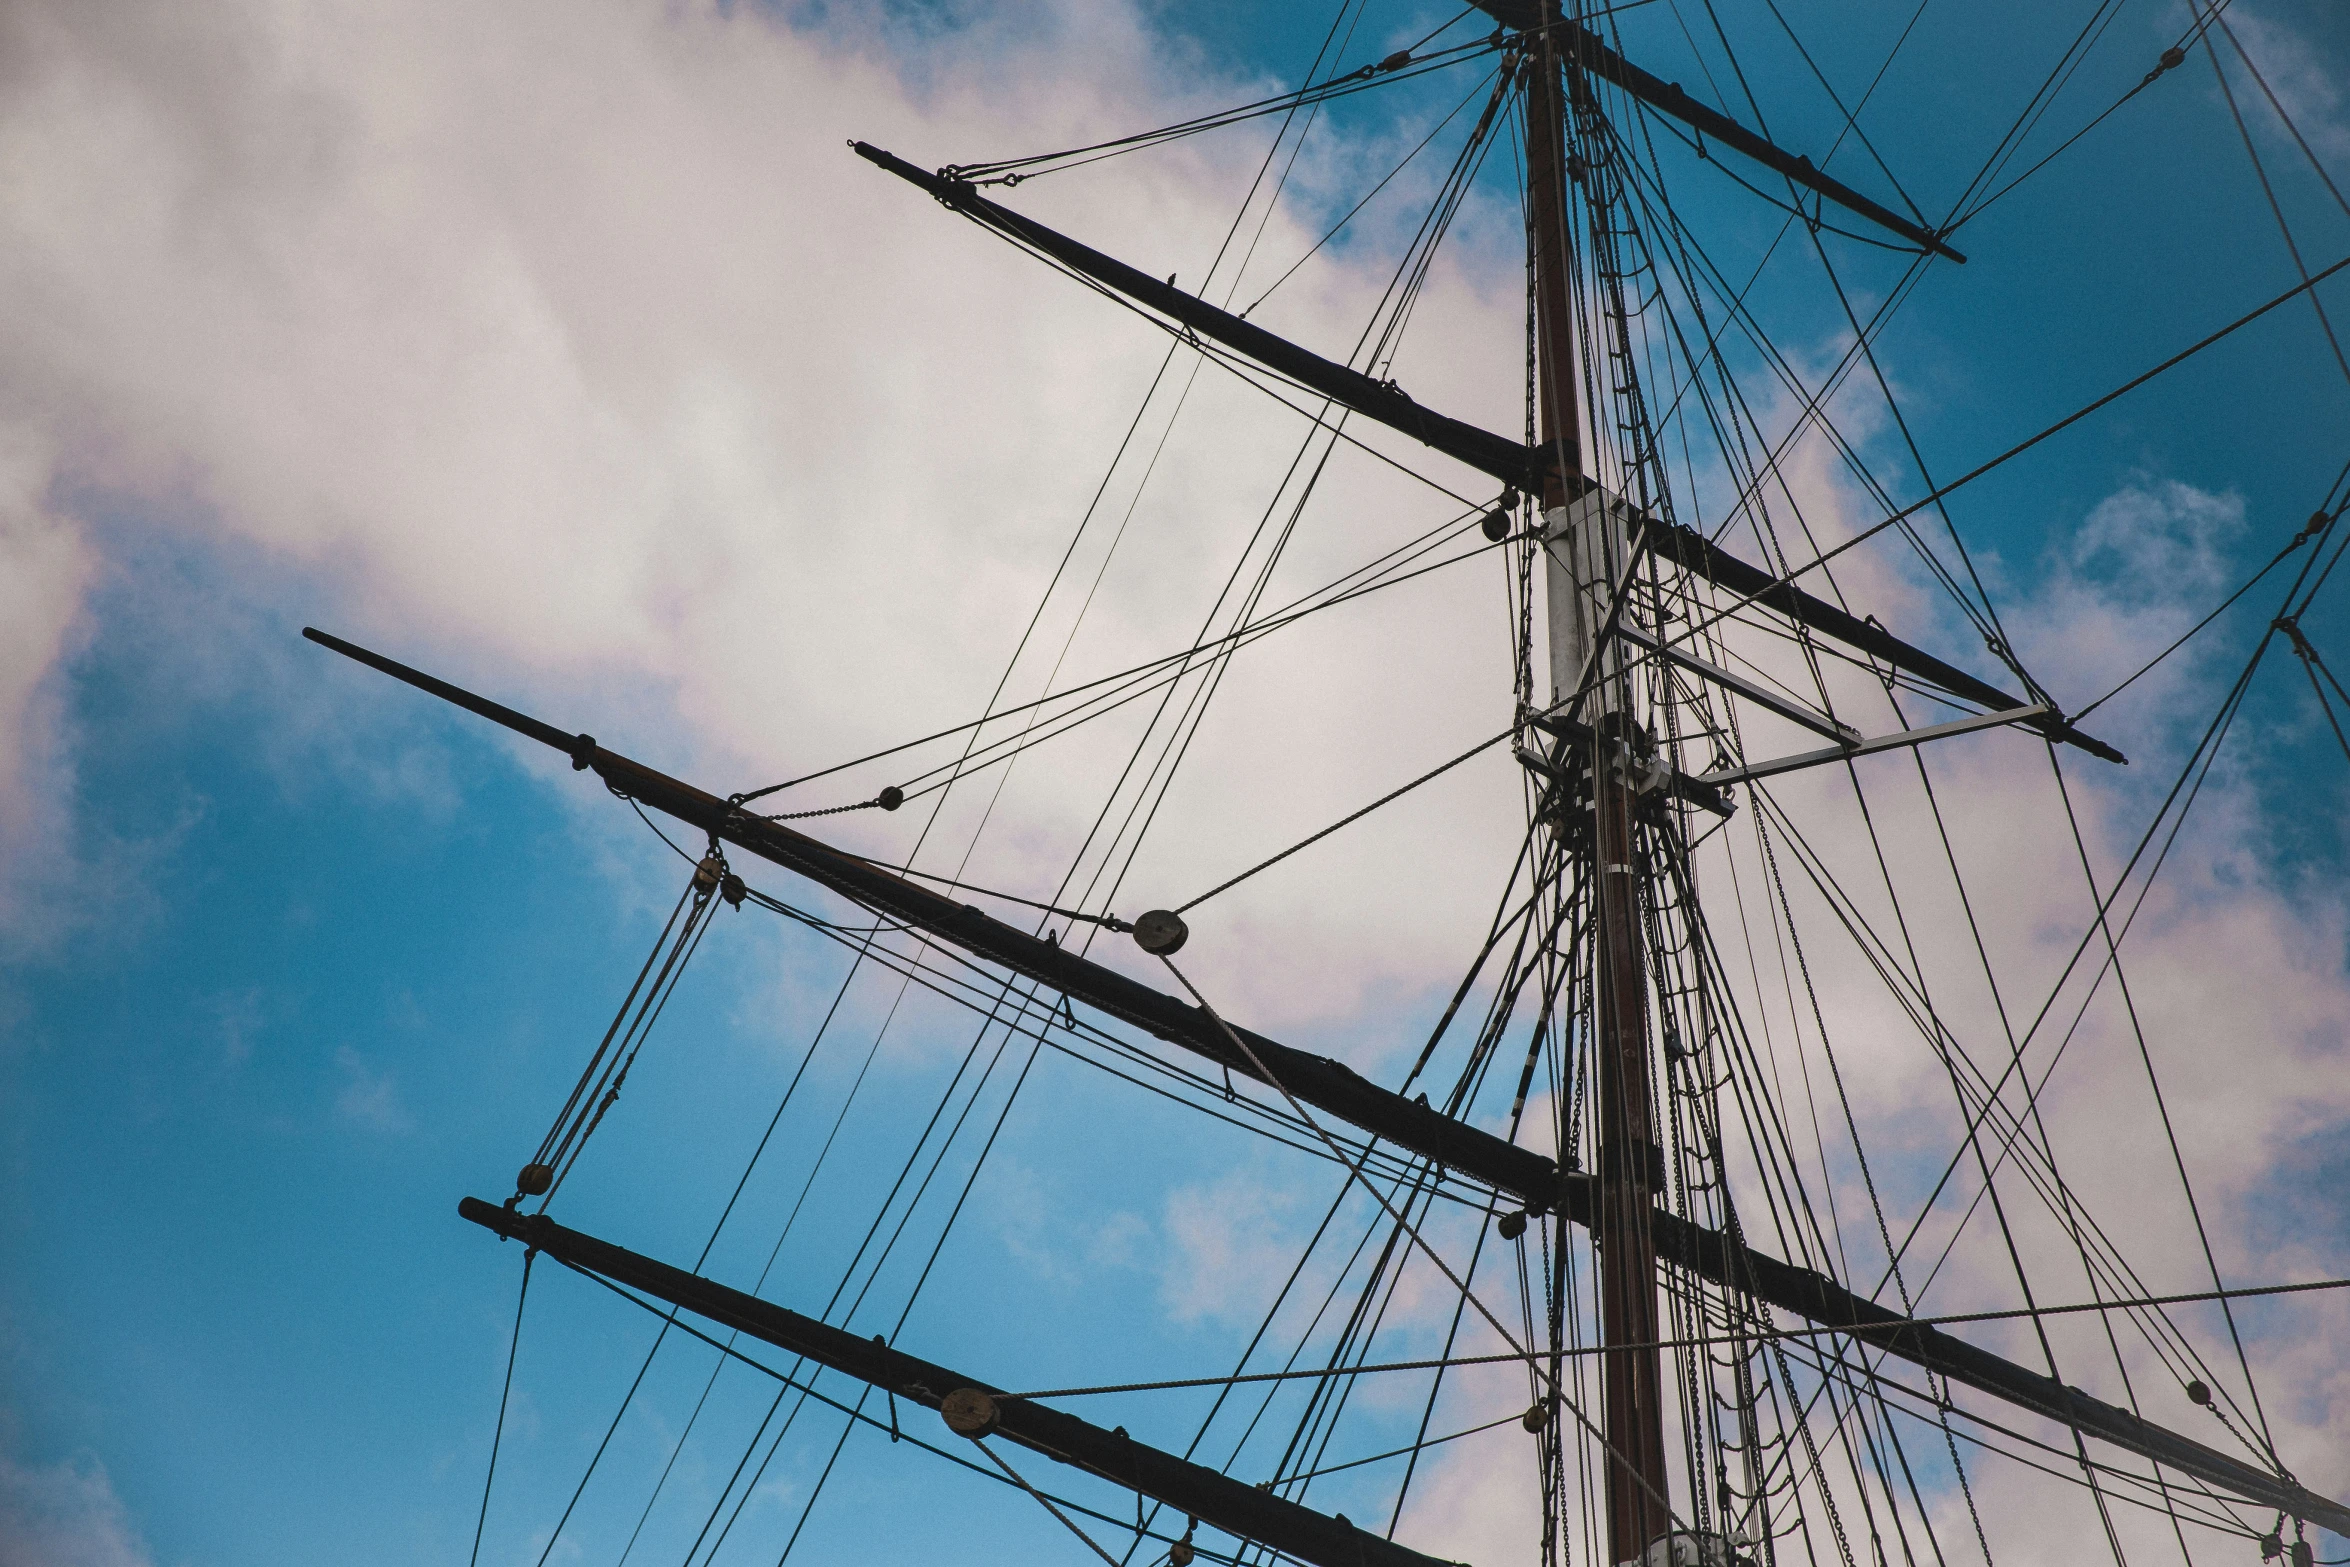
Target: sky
(566,352)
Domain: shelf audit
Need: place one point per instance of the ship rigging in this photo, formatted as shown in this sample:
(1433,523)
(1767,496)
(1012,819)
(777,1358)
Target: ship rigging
(1709,1379)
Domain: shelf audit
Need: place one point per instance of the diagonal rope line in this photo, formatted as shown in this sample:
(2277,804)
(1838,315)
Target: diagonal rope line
(1394,794)
(498,1437)
(1354,1167)
(1045,1502)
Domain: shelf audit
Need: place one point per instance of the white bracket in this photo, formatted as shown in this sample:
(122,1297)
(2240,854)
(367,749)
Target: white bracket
(1907,737)
(1817,723)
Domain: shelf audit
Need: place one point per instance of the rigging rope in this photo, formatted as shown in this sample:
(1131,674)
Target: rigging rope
(1706,1341)
(606,1072)
(2268,190)
(1045,1502)
(505,1391)
(2171,59)
(1402,65)
(827,1472)
(1346,1371)
(2317,524)
(1438,771)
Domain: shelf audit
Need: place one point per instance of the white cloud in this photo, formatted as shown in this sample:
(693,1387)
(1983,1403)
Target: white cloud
(369,1097)
(65,1515)
(575,354)
(2298,71)
(1229,1246)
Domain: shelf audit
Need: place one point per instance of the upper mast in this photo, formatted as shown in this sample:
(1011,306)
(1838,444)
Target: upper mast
(1584,551)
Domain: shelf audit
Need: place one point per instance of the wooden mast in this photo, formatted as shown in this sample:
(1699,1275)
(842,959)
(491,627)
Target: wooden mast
(1582,572)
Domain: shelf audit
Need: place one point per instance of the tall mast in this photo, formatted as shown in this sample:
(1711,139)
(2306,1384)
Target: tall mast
(1584,552)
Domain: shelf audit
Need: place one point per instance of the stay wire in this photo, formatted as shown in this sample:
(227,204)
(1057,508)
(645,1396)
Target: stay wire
(1297,609)
(1363,79)
(1437,771)
(2163,67)
(1161,675)
(588,1074)
(1354,1172)
(1995,633)
(1339,22)
(1355,211)
(2010,1138)
(1396,304)
(1374,343)
(1211,1095)
(2064,1206)
(2310,665)
(1045,1502)
(688,943)
(1109,922)
(990,1019)
(2042,98)
(860,956)
(505,1391)
(856,1264)
(1702,1341)
(2253,68)
(1850,117)
(2188,783)
(2225,605)
(1863,347)
(2206,754)
(1036,616)
(862,950)
(865,949)
(2162,1109)
(1897,515)
(1812,415)
(1262,378)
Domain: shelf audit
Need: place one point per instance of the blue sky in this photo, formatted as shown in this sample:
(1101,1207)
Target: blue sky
(293,959)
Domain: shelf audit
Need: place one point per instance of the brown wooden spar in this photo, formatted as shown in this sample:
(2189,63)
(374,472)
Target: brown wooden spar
(1582,574)
(972,1408)
(1410,1124)
(1385,403)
